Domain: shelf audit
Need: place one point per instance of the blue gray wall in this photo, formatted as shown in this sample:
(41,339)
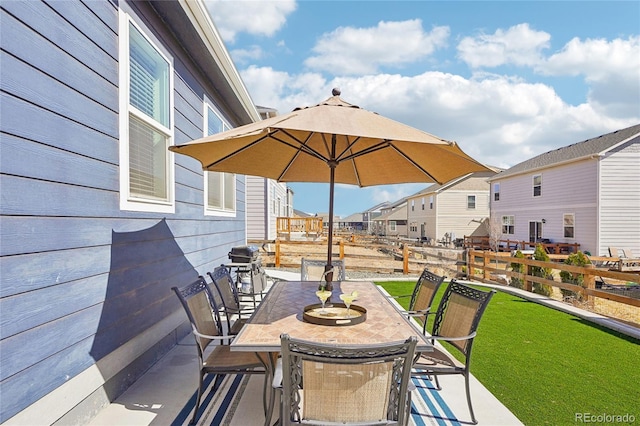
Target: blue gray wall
(80,277)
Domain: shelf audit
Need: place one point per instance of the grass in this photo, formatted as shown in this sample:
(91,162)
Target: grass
(545,365)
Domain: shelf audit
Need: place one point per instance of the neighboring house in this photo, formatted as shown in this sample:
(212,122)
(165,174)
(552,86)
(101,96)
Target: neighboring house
(449,211)
(267,199)
(370,214)
(352,222)
(98,219)
(392,221)
(586,193)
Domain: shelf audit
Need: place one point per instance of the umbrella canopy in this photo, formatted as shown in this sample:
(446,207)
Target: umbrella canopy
(335,142)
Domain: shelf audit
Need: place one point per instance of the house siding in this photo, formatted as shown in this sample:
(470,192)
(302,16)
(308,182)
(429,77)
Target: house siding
(619,204)
(450,214)
(566,189)
(86,287)
(257,208)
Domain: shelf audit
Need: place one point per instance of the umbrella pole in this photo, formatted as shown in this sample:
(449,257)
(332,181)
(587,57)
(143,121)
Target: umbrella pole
(332,171)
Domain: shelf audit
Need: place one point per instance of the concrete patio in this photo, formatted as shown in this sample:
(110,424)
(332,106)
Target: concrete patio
(163,392)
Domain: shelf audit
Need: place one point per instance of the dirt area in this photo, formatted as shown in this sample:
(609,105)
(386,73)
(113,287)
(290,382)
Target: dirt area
(362,260)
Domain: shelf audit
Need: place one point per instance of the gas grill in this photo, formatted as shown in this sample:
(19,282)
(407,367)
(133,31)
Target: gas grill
(244,254)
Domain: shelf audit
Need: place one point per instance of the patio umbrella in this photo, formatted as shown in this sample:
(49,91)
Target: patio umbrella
(335,142)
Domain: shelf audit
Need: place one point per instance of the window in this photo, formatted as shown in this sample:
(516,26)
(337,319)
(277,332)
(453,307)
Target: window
(423,203)
(496,192)
(392,225)
(431,202)
(471,201)
(508,225)
(146,127)
(413,205)
(568,225)
(220,188)
(537,185)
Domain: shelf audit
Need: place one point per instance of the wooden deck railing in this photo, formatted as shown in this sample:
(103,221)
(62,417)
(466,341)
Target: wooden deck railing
(309,226)
(484,243)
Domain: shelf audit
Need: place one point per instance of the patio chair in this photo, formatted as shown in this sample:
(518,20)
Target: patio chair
(199,304)
(257,285)
(422,297)
(228,299)
(456,321)
(327,384)
(313,270)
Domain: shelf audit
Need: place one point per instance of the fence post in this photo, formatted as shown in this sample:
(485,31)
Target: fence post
(277,260)
(341,249)
(485,260)
(589,282)
(405,259)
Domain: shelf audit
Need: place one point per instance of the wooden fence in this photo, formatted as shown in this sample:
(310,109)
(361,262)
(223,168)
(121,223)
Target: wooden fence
(485,265)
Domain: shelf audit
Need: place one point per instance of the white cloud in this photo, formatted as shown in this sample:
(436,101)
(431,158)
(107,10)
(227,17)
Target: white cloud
(349,50)
(242,56)
(497,120)
(611,68)
(519,45)
(253,17)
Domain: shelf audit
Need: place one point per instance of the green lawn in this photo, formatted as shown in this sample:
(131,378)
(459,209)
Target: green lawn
(546,366)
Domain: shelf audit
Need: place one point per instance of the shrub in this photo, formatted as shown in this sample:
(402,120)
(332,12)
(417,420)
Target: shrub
(538,271)
(576,259)
(517,267)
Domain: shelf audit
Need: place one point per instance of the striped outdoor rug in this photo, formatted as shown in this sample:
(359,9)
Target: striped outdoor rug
(224,407)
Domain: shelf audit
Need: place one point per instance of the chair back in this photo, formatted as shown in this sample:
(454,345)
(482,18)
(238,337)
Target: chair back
(424,292)
(352,384)
(226,288)
(197,301)
(258,279)
(313,270)
(459,314)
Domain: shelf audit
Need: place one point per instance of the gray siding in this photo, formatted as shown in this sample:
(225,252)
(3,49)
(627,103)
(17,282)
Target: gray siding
(82,279)
(257,206)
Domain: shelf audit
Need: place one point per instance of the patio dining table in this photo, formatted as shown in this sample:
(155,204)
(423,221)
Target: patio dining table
(282,309)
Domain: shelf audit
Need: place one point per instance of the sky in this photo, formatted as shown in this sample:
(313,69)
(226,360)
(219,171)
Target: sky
(506,80)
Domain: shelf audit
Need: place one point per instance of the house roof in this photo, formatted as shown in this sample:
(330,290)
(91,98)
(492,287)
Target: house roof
(397,214)
(584,149)
(433,188)
(356,217)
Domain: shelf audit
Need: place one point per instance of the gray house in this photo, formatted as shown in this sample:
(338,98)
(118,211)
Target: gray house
(98,219)
(586,193)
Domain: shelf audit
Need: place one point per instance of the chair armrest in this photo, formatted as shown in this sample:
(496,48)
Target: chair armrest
(277,375)
(206,336)
(400,296)
(418,313)
(452,339)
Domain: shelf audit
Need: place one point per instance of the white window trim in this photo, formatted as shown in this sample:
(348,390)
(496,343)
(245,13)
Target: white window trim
(128,202)
(212,211)
(573,215)
(475,202)
(533,186)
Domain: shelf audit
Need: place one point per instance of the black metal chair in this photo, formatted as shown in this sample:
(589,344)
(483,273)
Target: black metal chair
(228,299)
(422,297)
(348,385)
(217,359)
(456,322)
